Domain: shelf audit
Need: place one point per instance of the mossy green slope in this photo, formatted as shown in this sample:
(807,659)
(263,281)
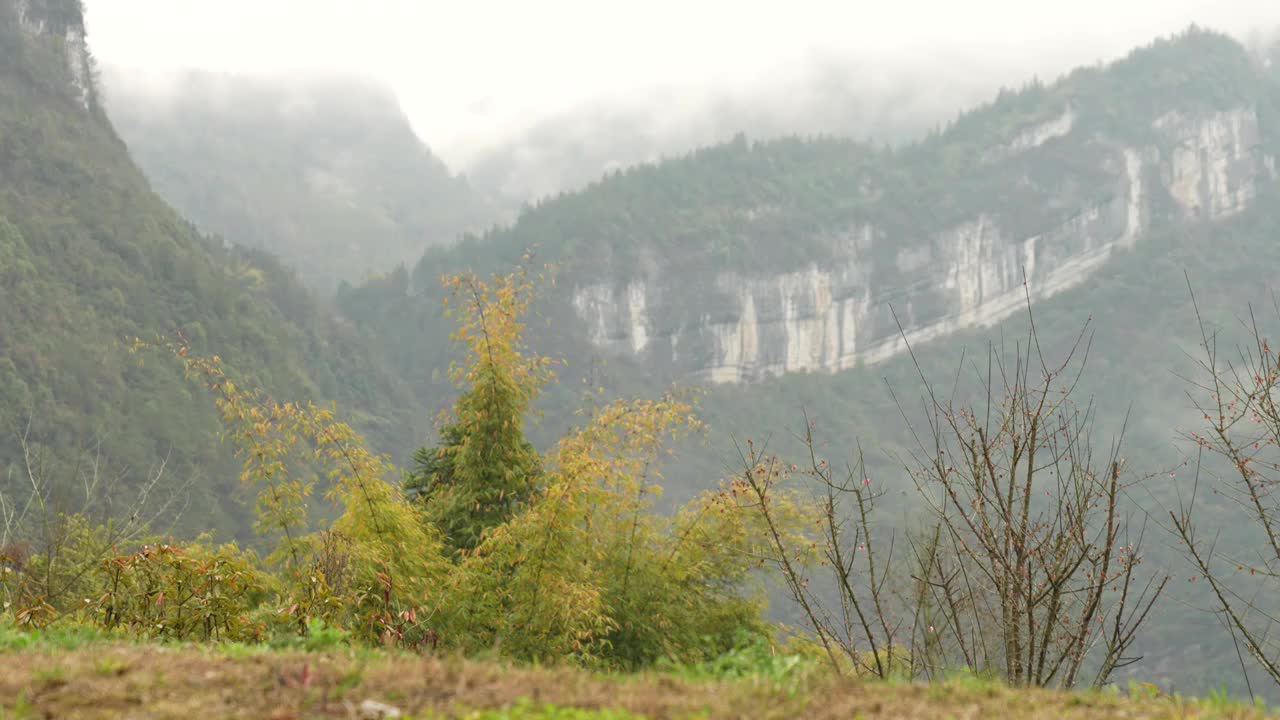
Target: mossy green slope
(90,258)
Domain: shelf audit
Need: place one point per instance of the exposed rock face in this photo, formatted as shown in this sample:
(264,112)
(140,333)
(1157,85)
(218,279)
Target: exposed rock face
(29,23)
(848,309)
(1040,134)
(78,64)
(1212,170)
(59,22)
(1035,136)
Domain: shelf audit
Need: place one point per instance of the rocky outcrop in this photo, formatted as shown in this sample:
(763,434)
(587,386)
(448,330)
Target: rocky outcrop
(1212,169)
(851,309)
(79,66)
(60,24)
(1035,136)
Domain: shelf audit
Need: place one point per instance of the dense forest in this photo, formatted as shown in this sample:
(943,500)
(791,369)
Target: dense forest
(91,257)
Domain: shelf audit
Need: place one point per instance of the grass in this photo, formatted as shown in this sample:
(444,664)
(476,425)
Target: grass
(79,671)
(102,679)
(19,710)
(64,636)
(528,710)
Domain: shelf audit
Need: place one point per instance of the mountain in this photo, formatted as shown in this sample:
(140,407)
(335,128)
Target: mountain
(751,260)
(791,274)
(797,247)
(90,258)
(323,171)
(777,276)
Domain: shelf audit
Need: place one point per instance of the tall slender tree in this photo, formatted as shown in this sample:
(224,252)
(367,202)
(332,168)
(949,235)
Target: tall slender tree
(484,469)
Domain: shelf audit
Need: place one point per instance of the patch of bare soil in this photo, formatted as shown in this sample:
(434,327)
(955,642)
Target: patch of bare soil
(193,684)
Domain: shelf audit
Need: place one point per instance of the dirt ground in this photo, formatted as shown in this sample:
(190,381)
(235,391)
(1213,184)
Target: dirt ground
(128,681)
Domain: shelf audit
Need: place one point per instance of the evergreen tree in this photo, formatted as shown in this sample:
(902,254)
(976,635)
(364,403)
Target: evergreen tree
(484,469)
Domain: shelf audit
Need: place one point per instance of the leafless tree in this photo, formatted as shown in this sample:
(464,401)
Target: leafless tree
(1238,464)
(850,613)
(1028,567)
(1032,563)
(46,506)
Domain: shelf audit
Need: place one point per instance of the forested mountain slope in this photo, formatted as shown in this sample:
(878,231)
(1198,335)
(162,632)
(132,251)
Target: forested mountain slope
(323,171)
(785,275)
(798,246)
(90,258)
(758,259)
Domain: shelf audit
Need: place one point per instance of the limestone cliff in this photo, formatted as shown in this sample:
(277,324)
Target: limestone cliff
(852,307)
(812,255)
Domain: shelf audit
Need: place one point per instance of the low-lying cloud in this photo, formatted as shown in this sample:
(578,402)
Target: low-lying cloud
(537,97)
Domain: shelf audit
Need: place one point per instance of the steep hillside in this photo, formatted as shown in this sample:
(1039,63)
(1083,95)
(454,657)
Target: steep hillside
(759,259)
(324,172)
(90,257)
(772,273)
(799,247)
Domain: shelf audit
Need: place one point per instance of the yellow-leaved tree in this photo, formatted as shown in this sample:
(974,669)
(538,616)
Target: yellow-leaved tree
(484,470)
(376,566)
(491,545)
(563,556)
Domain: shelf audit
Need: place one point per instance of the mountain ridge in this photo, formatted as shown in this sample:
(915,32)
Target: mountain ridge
(321,169)
(748,259)
(90,258)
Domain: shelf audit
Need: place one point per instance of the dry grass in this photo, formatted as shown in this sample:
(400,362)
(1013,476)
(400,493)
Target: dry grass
(130,681)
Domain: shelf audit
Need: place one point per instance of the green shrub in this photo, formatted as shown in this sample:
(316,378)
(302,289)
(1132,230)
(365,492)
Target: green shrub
(164,591)
(753,656)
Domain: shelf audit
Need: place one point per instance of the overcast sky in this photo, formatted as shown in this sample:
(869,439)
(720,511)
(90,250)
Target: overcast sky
(469,70)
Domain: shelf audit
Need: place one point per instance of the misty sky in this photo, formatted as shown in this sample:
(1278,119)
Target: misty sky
(468,71)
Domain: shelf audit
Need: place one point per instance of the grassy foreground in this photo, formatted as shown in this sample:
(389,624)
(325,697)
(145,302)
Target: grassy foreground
(111,680)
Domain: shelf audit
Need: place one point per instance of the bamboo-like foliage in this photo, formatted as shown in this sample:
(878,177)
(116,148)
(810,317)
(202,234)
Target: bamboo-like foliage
(394,559)
(485,470)
(192,593)
(554,577)
(570,560)
(544,558)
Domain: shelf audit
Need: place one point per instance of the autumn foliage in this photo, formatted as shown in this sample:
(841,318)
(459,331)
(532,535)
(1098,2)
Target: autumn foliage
(484,545)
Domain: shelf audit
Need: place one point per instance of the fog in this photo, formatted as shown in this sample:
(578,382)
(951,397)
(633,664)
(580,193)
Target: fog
(866,97)
(503,89)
